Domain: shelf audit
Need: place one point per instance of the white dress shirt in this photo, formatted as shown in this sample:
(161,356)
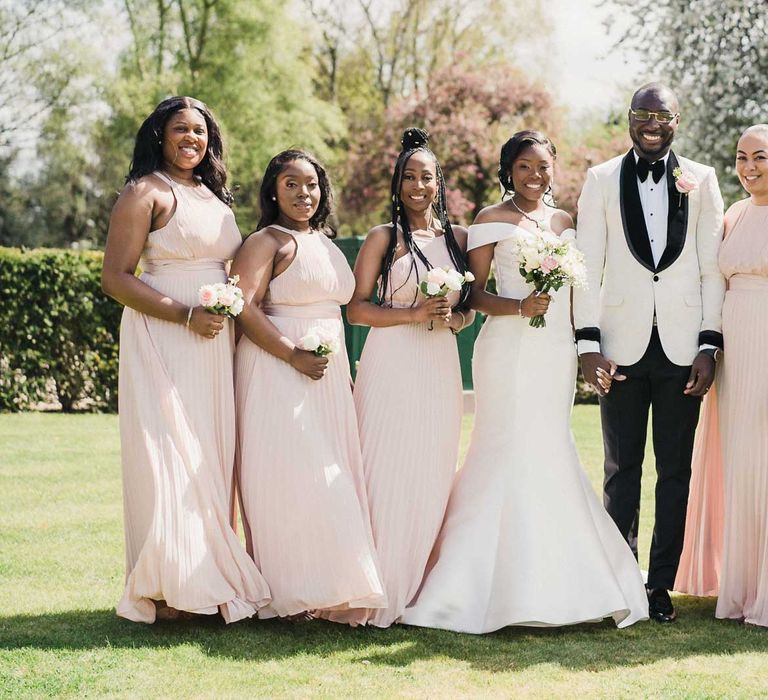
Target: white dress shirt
(655,202)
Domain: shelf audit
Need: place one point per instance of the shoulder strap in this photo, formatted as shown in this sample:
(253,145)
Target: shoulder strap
(173,185)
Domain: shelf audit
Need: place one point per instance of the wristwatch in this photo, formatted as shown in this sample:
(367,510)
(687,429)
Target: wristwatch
(714,353)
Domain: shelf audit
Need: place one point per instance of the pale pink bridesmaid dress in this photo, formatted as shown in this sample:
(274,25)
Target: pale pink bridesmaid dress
(177,430)
(300,468)
(408,396)
(743,422)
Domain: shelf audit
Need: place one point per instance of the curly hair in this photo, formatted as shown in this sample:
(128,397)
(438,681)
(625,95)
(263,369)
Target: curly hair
(148,149)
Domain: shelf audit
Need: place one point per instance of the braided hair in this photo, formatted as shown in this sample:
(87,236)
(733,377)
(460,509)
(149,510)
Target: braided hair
(511,151)
(414,140)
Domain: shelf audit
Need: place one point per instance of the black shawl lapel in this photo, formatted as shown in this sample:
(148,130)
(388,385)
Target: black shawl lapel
(635,230)
(677,222)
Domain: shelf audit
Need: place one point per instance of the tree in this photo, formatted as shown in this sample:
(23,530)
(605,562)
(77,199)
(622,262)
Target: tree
(715,54)
(33,35)
(469,114)
(246,59)
(400,45)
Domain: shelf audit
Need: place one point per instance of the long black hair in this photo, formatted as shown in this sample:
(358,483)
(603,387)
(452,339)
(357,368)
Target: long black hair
(511,151)
(268,192)
(414,140)
(148,150)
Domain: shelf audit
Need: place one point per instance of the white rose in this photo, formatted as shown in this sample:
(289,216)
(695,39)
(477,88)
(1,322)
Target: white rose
(227,296)
(237,306)
(433,288)
(326,336)
(530,255)
(454,280)
(469,277)
(437,275)
(310,342)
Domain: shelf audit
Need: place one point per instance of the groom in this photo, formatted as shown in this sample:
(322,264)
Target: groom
(648,324)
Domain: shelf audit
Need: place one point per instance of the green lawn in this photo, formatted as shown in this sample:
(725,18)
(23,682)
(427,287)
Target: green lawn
(61,571)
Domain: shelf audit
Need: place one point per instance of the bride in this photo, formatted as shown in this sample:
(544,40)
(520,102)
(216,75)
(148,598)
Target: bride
(525,540)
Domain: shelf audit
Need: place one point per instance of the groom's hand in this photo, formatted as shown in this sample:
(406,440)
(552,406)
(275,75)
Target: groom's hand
(702,375)
(599,371)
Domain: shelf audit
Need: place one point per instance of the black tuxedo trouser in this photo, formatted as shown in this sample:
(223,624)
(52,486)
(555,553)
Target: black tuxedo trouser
(654,382)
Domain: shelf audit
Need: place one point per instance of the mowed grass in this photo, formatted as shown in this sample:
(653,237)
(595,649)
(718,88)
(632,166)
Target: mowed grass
(61,571)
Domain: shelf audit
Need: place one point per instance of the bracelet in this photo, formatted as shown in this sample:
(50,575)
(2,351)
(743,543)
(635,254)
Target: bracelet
(458,330)
(189,316)
(520,308)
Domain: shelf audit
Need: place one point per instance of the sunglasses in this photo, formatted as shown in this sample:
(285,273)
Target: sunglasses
(643,115)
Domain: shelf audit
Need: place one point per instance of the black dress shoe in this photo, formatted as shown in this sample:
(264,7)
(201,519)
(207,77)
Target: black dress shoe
(660,606)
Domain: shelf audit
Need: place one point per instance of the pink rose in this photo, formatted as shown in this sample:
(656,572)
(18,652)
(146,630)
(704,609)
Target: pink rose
(208,295)
(686,183)
(549,263)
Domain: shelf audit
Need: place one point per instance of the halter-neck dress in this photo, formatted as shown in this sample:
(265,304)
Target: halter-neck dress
(300,469)
(408,397)
(177,430)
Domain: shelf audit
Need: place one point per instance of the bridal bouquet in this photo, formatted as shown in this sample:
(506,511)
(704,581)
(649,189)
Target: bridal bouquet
(225,299)
(320,341)
(441,280)
(549,262)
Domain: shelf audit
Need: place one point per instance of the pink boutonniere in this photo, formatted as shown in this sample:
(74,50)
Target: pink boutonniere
(685,182)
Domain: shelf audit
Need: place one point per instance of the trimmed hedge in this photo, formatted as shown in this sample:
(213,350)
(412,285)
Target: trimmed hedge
(58,332)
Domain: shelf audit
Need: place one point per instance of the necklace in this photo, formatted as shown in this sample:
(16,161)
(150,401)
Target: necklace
(538,222)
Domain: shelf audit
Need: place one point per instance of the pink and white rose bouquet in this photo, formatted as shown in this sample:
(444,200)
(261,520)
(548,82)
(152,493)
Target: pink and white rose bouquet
(441,280)
(320,341)
(220,298)
(549,262)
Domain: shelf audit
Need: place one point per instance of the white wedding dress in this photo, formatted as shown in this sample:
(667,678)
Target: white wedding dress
(525,540)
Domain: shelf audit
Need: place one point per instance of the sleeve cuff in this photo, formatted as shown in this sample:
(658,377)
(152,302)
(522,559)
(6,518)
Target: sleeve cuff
(711,338)
(585,346)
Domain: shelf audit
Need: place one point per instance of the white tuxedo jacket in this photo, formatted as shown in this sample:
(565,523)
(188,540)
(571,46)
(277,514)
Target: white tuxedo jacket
(625,288)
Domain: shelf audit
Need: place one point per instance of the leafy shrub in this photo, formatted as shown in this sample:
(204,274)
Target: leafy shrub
(58,331)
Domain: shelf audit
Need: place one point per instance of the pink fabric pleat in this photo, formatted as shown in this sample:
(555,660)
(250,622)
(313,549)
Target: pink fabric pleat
(699,570)
(300,468)
(408,399)
(177,429)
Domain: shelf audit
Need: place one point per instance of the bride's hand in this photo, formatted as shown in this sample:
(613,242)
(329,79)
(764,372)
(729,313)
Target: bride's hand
(535,304)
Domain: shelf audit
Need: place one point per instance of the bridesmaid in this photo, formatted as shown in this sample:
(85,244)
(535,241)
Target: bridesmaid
(300,469)
(176,400)
(408,392)
(729,521)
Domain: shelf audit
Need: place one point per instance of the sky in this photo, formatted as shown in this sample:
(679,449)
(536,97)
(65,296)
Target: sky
(586,71)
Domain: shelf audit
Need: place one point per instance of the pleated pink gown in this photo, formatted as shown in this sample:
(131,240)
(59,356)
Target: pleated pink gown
(301,475)
(177,430)
(742,403)
(408,397)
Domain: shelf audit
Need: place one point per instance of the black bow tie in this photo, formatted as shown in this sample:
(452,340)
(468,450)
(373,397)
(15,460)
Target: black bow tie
(644,167)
